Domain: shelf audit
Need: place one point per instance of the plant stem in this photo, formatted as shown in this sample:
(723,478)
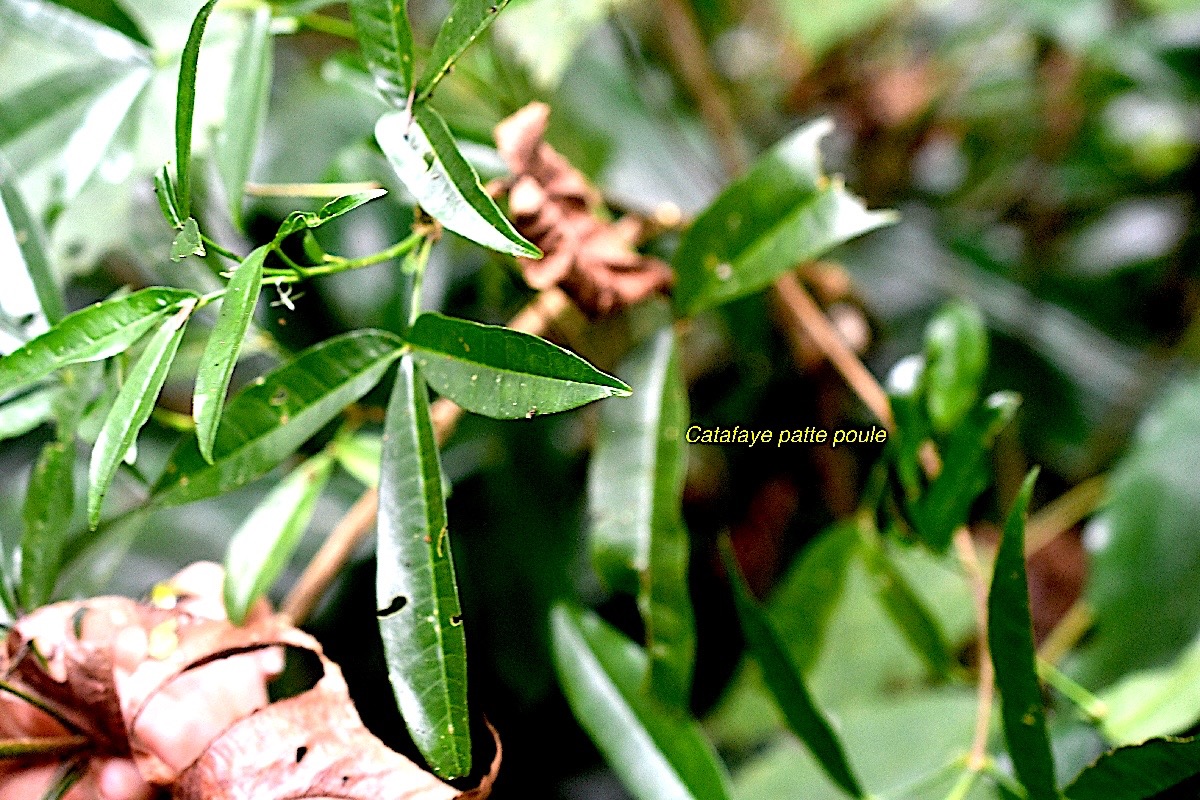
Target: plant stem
(219,250)
(42,746)
(1064,513)
(308,190)
(336,265)
(330,25)
(985,691)
(966,783)
(1092,707)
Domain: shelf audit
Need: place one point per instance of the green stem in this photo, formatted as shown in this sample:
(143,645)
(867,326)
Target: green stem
(926,781)
(415,265)
(330,25)
(964,786)
(42,746)
(219,250)
(336,265)
(39,704)
(1092,707)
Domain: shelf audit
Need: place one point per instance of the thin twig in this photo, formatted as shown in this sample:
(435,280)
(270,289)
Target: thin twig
(690,55)
(310,189)
(817,326)
(1070,629)
(536,318)
(965,547)
(1064,513)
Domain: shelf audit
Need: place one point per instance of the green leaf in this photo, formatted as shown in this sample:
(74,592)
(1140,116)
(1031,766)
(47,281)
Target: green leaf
(1139,772)
(264,543)
(18,417)
(781,213)
(270,418)
(1010,637)
(786,684)
(164,189)
(49,501)
(640,543)
(956,356)
(426,158)
(920,628)
(245,109)
(301,220)
(387,45)
(1148,528)
(415,592)
(26,109)
(502,373)
(360,455)
(185,109)
(966,471)
(467,19)
(188,241)
(221,352)
(110,13)
(132,407)
(32,245)
(656,753)
(1156,702)
(90,334)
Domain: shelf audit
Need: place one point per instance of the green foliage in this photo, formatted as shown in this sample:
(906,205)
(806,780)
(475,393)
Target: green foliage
(1138,772)
(415,591)
(502,373)
(1010,639)
(245,109)
(656,752)
(185,109)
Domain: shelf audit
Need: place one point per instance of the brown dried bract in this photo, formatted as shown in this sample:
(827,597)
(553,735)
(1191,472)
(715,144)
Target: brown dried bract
(170,694)
(552,204)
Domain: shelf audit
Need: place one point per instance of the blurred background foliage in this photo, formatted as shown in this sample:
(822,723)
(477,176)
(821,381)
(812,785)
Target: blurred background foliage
(1043,157)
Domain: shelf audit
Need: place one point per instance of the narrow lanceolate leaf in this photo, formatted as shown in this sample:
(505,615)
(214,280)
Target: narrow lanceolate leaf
(966,470)
(301,220)
(635,492)
(262,546)
(656,753)
(426,158)
(781,213)
(188,241)
(387,45)
(90,334)
(786,684)
(27,109)
(245,109)
(467,19)
(268,420)
(49,501)
(32,245)
(904,606)
(110,13)
(956,355)
(221,352)
(1010,637)
(502,373)
(18,417)
(185,108)
(132,407)
(1138,772)
(416,596)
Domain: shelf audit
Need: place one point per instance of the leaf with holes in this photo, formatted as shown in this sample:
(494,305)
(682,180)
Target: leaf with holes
(426,158)
(132,407)
(221,353)
(269,419)
(640,543)
(502,373)
(1010,637)
(188,241)
(467,19)
(416,595)
(781,213)
(90,334)
(260,549)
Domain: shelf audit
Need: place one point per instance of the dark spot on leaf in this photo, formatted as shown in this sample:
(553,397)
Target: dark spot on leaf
(280,397)
(301,752)
(398,602)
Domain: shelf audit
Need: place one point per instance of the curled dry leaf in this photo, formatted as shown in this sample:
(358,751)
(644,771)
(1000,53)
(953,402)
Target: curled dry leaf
(169,694)
(552,204)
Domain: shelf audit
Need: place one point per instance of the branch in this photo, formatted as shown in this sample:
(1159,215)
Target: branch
(537,318)
(965,547)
